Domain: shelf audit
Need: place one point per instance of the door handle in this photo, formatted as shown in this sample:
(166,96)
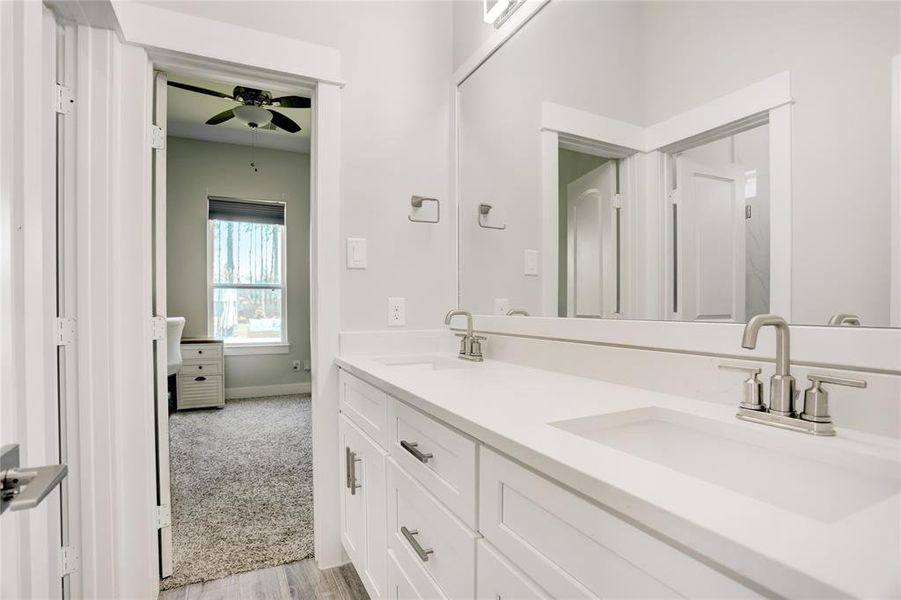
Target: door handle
(422,552)
(413,448)
(24,488)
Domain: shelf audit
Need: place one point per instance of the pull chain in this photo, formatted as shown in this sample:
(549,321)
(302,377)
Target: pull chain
(253,148)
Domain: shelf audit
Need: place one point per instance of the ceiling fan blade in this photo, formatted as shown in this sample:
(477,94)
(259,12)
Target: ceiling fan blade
(199,90)
(283,122)
(221,117)
(291,102)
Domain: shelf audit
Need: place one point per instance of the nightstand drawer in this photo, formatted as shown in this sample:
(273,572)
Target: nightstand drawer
(192,370)
(200,352)
(200,391)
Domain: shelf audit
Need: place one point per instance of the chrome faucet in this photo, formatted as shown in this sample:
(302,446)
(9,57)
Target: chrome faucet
(782,384)
(470,345)
(782,411)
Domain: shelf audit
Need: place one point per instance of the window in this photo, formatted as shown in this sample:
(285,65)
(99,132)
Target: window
(247,271)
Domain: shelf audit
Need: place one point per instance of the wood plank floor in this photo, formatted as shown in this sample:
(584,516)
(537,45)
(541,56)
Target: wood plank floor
(300,580)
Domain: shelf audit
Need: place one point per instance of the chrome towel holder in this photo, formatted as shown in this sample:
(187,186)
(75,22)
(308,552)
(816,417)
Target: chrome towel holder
(417,201)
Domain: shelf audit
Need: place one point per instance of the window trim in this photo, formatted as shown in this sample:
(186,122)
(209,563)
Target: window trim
(281,346)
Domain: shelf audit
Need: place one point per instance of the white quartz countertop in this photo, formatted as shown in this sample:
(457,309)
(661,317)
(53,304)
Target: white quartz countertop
(776,550)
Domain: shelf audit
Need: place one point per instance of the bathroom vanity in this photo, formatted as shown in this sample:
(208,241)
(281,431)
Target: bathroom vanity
(495,480)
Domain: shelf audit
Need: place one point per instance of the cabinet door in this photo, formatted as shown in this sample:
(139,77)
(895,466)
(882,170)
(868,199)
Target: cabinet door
(363,506)
(498,579)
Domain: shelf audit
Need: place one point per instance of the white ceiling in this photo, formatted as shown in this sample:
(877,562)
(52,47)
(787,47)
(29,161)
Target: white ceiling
(188,112)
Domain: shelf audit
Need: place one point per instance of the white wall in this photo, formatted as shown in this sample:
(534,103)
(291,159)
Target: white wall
(635,62)
(470,29)
(198,168)
(500,108)
(396,120)
(839,55)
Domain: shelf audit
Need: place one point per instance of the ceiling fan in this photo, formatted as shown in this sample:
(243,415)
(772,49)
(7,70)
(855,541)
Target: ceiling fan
(252,111)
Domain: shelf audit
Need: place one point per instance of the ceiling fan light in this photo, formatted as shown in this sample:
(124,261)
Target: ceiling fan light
(253,116)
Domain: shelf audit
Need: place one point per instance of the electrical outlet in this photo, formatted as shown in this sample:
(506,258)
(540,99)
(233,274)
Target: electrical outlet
(397,312)
(501,306)
(295,366)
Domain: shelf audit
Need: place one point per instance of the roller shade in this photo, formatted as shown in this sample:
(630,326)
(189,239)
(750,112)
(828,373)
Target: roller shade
(247,211)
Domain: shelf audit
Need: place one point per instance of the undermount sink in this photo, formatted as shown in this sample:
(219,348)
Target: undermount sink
(435,363)
(809,477)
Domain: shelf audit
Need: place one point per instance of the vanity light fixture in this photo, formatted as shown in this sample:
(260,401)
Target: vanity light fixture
(495,12)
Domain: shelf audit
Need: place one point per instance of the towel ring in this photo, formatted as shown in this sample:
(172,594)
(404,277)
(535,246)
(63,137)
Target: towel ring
(416,202)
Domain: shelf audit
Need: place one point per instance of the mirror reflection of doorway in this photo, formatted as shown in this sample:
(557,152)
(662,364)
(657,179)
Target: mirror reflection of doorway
(721,229)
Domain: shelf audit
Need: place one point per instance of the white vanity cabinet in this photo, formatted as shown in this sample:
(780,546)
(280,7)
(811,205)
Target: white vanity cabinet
(430,513)
(363,510)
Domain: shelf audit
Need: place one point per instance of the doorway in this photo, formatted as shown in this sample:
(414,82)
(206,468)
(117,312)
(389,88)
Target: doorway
(232,275)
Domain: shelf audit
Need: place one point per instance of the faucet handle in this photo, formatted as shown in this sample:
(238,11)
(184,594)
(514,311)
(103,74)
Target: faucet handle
(752,388)
(816,379)
(816,399)
(741,368)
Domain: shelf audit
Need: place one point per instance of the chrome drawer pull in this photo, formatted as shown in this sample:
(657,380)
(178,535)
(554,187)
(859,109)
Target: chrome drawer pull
(350,468)
(201,378)
(422,552)
(413,448)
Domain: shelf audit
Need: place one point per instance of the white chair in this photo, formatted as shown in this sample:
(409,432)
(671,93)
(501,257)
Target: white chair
(174,328)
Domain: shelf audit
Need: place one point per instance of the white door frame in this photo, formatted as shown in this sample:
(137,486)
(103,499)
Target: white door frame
(120,553)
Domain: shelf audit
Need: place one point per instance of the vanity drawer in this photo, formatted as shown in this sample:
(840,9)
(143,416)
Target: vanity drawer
(201,368)
(200,391)
(200,352)
(410,583)
(573,548)
(441,459)
(498,578)
(424,535)
(365,405)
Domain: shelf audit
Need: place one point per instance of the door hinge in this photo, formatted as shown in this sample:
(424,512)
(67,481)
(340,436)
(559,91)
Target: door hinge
(65,331)
(158,327)
(747,211)
(675,196)
(63,100)
(157,137)
(68,561)
(618,200)
(163,516)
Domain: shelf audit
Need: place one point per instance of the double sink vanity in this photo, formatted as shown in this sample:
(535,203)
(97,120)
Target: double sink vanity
(487,479)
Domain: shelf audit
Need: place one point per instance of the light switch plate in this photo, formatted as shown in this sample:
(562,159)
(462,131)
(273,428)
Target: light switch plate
(530,262)
(501,306)
(397,312)
(356,253)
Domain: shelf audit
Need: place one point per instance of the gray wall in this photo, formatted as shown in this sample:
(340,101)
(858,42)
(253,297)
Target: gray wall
(196,169)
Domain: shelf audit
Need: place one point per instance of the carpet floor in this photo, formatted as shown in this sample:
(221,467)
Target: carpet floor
(242,487)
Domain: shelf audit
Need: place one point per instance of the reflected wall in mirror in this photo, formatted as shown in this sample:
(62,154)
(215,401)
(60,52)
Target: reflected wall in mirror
(633,170)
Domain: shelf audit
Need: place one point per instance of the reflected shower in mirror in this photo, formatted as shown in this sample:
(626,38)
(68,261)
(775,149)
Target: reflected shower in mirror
(631,171)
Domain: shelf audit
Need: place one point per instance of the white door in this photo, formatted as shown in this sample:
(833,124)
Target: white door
(710,241)
(160,358)
(591,271)
(31,511)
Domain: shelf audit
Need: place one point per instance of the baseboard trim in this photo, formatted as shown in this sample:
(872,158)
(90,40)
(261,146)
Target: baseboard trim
(304,387)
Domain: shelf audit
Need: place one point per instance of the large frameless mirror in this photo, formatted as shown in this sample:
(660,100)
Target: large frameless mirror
(686,161)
